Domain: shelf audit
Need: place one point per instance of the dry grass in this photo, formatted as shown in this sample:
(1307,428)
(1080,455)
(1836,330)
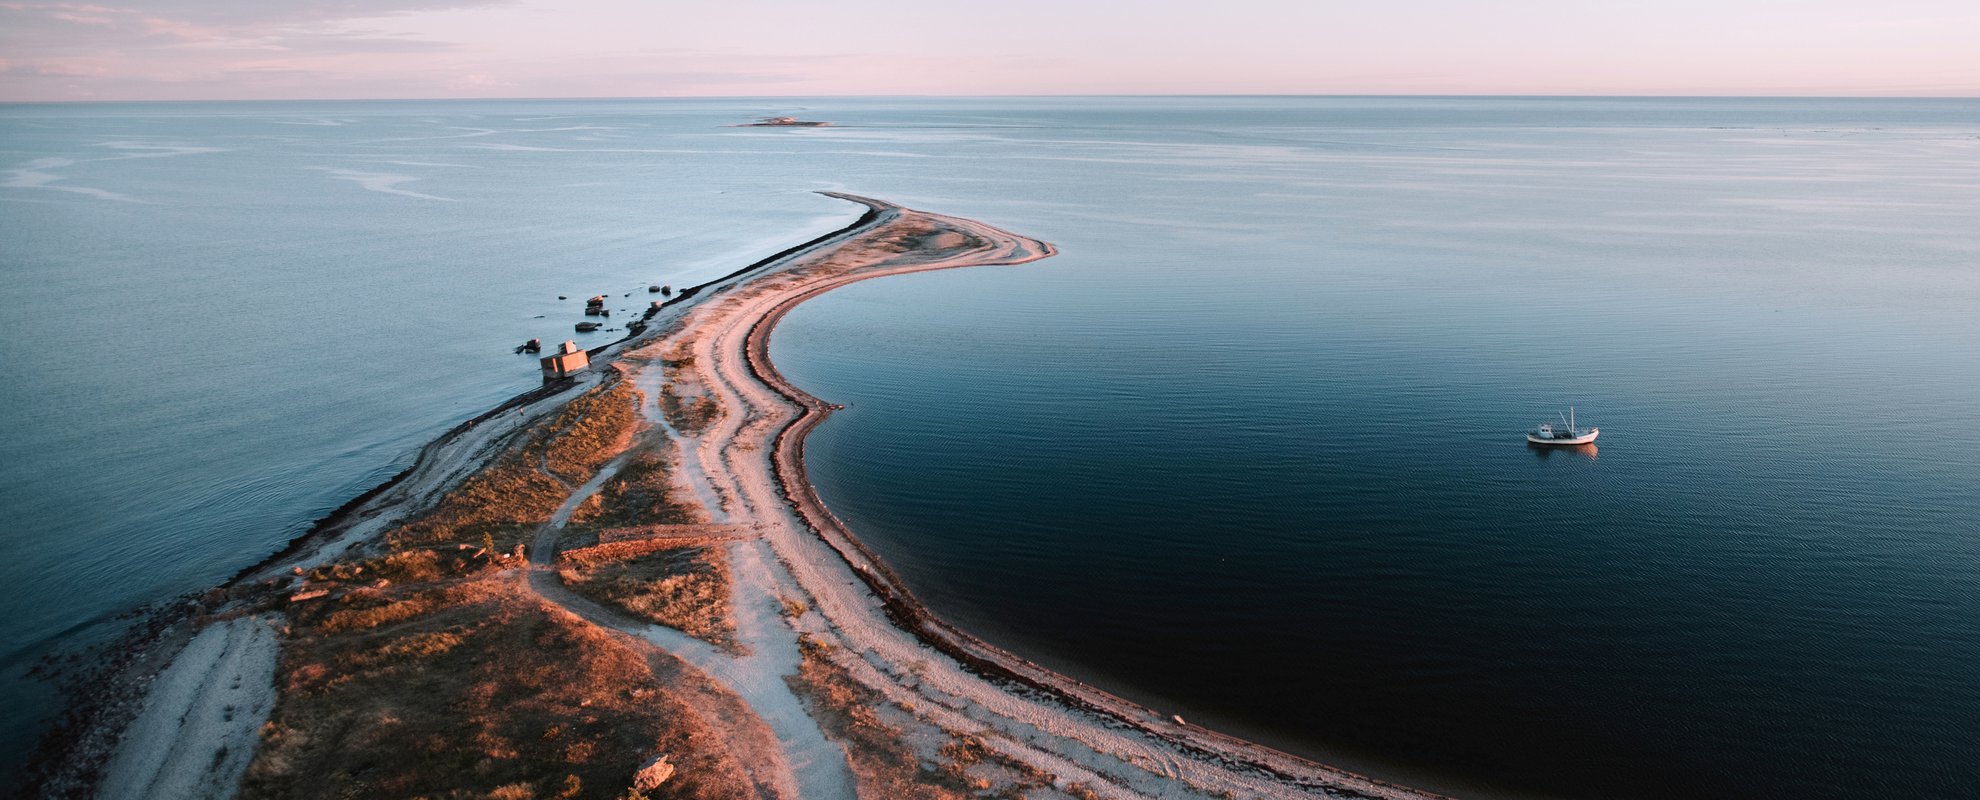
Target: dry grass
(885,764)
(690,411)
(642,493)
(472,690)
(590,431)
(423,565)
(684,588)
(505,502)
(689,415)
(882,759)
(426,673)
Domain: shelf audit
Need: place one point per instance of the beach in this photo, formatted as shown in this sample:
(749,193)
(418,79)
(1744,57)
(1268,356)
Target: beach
(819,645)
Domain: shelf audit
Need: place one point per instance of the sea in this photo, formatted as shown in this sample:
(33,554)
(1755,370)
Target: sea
(1250,450)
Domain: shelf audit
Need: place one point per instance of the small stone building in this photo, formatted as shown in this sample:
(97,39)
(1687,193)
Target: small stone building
(569,360)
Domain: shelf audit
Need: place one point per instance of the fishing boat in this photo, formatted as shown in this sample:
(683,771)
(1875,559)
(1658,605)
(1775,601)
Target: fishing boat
(1548,434)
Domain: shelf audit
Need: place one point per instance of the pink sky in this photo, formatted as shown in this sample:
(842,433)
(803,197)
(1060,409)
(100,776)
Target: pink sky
(268,49)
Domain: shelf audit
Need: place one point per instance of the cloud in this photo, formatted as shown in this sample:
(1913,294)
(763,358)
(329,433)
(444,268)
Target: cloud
(371,41)
(237,13)
(179,29)
(116,49)
(54,28)
(56,68)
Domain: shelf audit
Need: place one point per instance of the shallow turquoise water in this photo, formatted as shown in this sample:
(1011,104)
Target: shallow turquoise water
(1248,449)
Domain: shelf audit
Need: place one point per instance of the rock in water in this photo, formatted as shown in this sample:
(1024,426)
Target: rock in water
(652,775)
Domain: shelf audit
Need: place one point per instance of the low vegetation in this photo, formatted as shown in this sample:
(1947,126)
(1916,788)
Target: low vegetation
(426,671)
(503,504)
(883,759)
(690,412)
(689,415)
(642,493)
(471,689)
(684,588)
(590,431)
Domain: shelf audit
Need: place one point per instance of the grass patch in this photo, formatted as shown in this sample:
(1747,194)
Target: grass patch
(425,673)
(472,690)
(642,493)
(684,588)
(885,764)
(590,431)
(882,759)
(505,502)
(423,565)
(689,415)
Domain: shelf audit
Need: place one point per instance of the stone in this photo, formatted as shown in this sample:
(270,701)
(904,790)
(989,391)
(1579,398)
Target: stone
(652,775)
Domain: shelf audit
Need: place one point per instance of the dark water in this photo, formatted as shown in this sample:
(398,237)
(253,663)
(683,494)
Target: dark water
(1248,450)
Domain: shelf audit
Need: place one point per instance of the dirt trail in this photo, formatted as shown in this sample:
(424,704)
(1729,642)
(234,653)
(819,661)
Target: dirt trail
(804,763)
(648,380)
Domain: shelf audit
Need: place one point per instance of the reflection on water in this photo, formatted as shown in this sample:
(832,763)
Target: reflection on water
(1547,451)
(1151,458)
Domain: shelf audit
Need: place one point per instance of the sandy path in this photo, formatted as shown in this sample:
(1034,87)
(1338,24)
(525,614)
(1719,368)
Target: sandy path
(199,725)
(648,380)
(807,765)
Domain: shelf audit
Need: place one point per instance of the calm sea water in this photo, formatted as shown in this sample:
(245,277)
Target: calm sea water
(1248,450)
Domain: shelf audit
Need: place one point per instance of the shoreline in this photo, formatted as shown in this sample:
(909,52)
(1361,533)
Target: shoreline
(345,514)
(96,703)
(940,682)
(909,613)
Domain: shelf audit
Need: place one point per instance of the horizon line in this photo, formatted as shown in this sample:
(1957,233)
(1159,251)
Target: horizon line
(908,96)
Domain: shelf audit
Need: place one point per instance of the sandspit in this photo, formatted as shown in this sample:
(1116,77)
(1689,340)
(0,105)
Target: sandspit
(675,545)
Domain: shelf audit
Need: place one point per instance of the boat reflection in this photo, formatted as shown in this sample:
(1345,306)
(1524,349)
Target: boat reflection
(1547,451)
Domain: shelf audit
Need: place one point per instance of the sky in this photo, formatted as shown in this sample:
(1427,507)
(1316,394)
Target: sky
(356,49)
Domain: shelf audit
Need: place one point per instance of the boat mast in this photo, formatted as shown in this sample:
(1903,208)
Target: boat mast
(1571,422)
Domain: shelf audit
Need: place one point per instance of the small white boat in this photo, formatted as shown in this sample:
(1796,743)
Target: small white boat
(1548,434)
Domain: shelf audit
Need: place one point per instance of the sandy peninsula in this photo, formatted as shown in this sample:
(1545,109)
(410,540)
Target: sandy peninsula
(623,585)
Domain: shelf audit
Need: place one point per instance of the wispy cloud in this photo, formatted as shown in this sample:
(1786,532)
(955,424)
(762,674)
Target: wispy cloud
(120,49)
(56,68)
(248,49)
